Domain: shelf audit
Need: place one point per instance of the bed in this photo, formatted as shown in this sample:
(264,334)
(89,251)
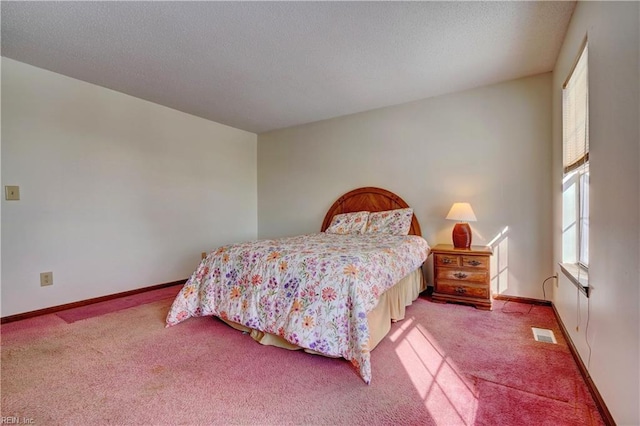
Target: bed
(333,293)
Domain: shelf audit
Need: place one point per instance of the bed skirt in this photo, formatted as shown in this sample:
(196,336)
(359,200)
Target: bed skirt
(391,308)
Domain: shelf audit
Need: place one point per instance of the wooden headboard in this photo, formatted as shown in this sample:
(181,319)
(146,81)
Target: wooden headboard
(369,199)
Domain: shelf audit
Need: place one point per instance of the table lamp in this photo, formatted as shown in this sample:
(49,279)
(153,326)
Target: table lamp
(463,213)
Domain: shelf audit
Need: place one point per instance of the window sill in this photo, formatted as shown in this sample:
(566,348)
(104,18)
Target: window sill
(577,275)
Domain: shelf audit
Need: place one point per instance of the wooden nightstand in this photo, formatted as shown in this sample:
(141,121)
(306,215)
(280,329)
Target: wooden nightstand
(462,275)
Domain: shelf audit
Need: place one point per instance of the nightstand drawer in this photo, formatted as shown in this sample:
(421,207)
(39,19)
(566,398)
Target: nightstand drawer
(446,260)
(463,289)
(468,276)
(476,262)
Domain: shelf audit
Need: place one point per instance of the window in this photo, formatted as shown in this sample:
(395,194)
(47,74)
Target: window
(575,143)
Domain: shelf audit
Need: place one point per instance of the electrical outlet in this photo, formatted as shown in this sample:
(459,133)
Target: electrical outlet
(203,255)
(46,278)
(11,193)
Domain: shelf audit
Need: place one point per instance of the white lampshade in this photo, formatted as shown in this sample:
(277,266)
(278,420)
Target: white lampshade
(462,212)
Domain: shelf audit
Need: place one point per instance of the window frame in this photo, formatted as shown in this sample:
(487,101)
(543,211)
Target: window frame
(583,216)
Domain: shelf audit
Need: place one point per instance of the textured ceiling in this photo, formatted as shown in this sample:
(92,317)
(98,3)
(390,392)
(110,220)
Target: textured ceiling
(260,66)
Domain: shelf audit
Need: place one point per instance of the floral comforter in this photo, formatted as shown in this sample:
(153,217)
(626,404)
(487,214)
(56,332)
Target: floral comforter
(313,290)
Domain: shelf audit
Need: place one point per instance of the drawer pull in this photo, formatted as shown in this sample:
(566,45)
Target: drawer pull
(474,263)
(460,290)
(446,261)
(460,275)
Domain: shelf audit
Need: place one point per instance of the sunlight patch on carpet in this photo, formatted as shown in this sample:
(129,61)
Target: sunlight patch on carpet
(448,395)
(404,326)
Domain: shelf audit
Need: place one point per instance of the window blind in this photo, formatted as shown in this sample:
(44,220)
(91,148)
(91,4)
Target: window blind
(575,115)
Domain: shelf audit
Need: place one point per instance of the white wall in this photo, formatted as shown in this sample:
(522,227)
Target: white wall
(490,146)
(612,310)
(116,193)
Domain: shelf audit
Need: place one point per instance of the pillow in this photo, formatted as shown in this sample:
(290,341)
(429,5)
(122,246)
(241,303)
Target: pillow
(396,222)
(348,223)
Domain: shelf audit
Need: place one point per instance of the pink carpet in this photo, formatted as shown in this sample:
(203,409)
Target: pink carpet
(101,308)
(443,365)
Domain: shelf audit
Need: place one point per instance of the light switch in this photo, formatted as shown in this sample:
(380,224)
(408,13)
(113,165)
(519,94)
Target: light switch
(11,193)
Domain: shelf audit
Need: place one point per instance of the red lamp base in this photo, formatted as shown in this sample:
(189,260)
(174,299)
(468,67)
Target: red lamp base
(461,236)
